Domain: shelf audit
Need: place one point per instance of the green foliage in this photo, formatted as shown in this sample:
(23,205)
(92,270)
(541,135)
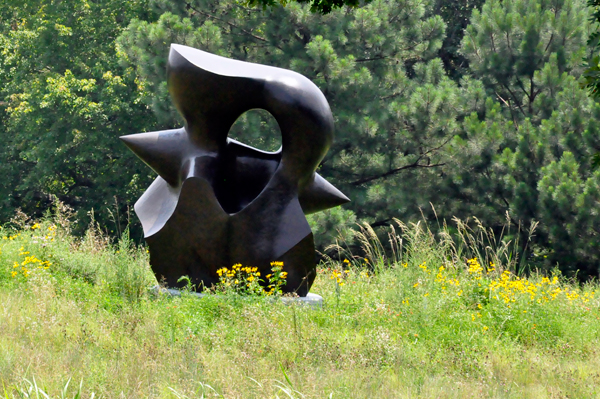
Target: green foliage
(438,321)
(39,250)
(499,124)
(528,55)
(29,389)
(331,225)
(592,73)
(520,48)
(64,102)
(569,198)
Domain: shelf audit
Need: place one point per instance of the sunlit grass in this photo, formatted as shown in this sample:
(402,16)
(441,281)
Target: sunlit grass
(428,320)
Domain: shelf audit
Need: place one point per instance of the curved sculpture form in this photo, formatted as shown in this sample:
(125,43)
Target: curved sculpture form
(218,202)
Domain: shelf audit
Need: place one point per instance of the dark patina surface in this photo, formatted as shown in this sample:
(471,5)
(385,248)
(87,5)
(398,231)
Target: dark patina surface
(218,202)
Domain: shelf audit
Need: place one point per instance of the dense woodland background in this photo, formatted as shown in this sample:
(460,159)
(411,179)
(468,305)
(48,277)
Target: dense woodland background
(479,108)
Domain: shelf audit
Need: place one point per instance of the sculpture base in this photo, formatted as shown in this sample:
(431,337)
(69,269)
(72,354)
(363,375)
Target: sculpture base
(312,300)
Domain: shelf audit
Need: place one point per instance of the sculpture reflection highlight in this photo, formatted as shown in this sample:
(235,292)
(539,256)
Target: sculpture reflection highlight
(218,202)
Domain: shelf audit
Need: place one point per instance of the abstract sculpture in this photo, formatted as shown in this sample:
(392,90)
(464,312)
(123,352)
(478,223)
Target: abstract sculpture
(218,202)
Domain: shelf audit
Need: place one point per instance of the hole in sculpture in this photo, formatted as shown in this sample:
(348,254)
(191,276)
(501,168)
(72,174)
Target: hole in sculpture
(243,173)
(257,128)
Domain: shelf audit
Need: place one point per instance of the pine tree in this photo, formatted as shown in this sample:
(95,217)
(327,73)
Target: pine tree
(529,152)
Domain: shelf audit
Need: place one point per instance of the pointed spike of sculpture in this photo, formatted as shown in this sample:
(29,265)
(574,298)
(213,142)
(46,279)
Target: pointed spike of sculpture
(320,195)
(162,151)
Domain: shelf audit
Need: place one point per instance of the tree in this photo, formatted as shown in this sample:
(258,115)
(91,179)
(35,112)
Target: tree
(64,102)
(592,73)
(529,152)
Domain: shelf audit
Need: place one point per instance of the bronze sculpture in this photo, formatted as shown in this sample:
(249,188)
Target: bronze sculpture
(217,201)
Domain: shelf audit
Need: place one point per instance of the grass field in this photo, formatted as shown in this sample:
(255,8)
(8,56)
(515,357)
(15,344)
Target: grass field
(442,318)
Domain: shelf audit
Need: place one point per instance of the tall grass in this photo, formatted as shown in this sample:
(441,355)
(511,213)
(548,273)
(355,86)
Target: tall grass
(423,314)
(467,239)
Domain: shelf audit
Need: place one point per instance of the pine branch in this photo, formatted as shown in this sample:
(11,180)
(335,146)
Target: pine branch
(381,57)
(512,113)
(515,99)
(413,165)
(532,95)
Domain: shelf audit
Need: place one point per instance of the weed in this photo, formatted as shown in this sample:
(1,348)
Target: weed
(423,314)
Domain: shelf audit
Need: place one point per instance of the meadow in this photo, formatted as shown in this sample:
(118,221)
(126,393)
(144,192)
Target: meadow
(440,316)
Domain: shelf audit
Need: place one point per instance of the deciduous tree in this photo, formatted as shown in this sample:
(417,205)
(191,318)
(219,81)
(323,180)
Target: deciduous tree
(64,102)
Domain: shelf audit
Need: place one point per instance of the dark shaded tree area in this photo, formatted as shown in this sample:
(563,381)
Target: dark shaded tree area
(477,107)
(457,15)
(320,6)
